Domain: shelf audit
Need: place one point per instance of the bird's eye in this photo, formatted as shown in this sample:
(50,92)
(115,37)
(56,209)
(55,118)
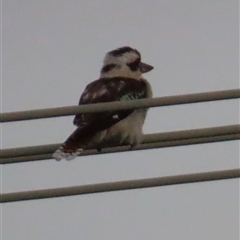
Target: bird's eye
(134,65)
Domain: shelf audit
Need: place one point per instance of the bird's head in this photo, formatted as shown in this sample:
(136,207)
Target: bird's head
(124,62)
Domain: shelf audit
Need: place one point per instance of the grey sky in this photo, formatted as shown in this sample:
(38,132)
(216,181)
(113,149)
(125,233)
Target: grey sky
(51,49)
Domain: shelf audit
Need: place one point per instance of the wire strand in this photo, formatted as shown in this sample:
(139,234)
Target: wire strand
(120,105)
(147,138)
(150,141)
(119,186)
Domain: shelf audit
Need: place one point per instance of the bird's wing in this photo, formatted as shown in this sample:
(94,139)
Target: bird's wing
(108,90)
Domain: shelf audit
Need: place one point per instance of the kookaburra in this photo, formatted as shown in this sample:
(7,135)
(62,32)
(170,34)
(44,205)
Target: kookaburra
(120,80)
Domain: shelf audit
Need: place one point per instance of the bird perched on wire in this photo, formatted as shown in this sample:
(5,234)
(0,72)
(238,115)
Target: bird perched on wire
(120,80)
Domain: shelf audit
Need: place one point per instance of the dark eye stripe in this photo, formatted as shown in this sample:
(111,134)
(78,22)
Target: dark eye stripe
(134,65)
(108,68)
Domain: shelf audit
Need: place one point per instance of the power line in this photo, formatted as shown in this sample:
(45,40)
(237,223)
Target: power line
(121,185)
(158,140)
(120,105)
(183,142)
(150,141)
(147,138)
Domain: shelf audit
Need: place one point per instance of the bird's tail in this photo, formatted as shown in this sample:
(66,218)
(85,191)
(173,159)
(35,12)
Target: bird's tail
(72,147)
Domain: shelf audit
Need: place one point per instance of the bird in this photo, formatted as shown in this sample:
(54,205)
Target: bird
(120,80)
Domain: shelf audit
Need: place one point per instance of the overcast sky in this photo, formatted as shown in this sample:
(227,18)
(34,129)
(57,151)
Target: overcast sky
(52,48)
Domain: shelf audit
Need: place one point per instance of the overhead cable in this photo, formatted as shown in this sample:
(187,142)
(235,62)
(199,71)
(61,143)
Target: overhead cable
(120,105)
(121,185)
(150,141)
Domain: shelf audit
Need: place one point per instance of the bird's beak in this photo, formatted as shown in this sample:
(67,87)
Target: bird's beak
(145,67)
